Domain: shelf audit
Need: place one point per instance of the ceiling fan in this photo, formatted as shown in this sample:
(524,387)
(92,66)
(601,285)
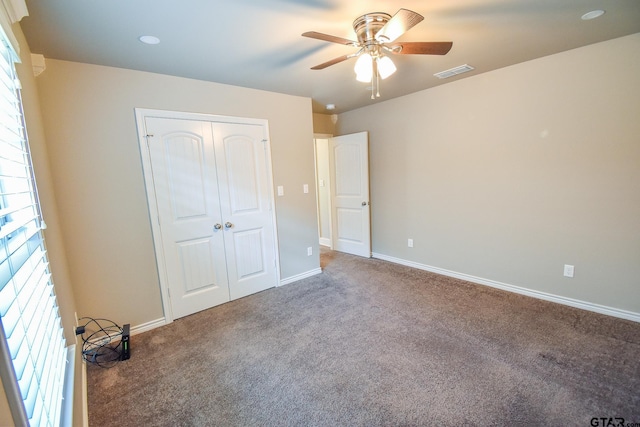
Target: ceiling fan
(376,33)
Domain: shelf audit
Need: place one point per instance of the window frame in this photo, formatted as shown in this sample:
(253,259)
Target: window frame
(36,365)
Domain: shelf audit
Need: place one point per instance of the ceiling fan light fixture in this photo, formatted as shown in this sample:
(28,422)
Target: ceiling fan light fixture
(364,68)
(386,67)
(364,77)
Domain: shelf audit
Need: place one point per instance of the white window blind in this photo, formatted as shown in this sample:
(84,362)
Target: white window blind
(32,346)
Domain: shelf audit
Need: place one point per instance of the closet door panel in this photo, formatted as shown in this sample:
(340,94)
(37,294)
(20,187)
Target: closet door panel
(245,202)
(188,206)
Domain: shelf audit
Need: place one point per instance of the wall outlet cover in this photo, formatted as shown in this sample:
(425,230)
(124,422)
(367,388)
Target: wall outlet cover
(568,270)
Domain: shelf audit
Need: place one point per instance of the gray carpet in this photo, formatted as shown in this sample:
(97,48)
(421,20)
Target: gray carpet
(371,343)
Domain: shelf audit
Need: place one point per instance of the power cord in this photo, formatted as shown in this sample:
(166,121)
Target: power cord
(101,341)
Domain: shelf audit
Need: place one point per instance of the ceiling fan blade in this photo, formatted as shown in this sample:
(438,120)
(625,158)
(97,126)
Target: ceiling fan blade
(332,62)
(420,48)
(329,38)
(399,24)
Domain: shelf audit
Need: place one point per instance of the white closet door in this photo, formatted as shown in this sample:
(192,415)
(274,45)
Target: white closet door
(245,203)
(187,197)
(210,187)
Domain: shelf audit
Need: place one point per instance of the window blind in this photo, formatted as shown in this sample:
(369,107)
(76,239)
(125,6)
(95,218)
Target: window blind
(33,353)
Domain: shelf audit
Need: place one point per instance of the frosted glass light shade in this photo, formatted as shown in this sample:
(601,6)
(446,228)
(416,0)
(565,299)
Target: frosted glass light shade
(364,68)
(386,67)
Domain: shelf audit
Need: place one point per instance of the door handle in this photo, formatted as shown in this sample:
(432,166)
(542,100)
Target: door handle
(217,226)
(364,203)
(228,225)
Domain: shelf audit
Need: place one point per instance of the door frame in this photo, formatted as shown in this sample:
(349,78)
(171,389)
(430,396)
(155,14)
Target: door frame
(141,114)
(326,136)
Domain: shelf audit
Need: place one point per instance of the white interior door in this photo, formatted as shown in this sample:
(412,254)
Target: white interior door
(210,187)
(245,203)
(349,163)
(187,197)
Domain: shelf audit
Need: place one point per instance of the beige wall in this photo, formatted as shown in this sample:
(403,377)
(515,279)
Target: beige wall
(322,124)
(5,412)
(89,120)
(511,174)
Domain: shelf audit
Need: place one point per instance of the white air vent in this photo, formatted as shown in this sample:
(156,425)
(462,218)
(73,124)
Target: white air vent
(454,71)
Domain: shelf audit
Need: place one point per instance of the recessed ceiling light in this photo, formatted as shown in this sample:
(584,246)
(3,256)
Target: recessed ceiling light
(331,106)
(592,15)
(149,39)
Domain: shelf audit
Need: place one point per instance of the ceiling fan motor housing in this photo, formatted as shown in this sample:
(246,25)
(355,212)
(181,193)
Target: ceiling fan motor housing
(367,26)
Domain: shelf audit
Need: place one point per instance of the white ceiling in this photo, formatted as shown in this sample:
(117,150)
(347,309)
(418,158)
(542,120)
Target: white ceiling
(258,43)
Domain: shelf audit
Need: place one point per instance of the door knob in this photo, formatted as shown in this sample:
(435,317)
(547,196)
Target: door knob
(228,225)
(364,203)
(217,226)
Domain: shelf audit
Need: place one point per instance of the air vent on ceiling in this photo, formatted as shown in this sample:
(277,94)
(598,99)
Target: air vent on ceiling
(454,71)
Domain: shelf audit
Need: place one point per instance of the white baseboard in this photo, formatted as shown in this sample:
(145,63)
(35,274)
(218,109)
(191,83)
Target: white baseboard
(300,276)
(325,242)
(597,308)
(138,329)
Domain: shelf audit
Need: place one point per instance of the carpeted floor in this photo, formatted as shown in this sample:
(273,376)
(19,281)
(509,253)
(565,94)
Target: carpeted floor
(371,343)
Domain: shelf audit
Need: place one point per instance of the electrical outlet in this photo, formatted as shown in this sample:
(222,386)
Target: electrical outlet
(410,243)
(305,188)
(568,270)
(280,190)
(309,251)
